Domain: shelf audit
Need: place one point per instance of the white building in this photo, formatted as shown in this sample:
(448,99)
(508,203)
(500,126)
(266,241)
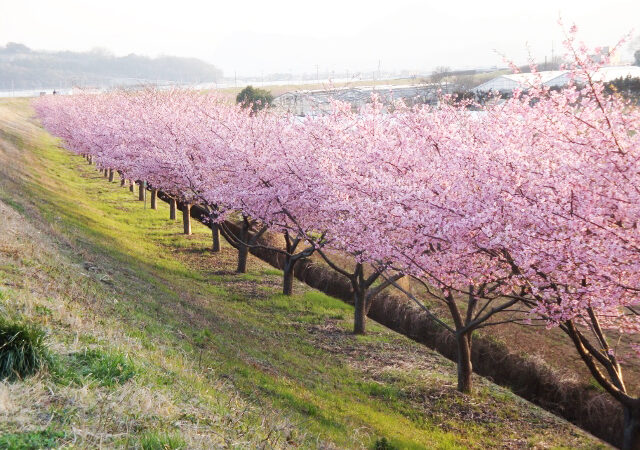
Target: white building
(507,83)
(611,73)
(552,78)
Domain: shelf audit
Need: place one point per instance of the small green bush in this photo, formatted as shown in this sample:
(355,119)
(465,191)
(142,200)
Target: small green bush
(32,440)
(23,351)
(162,441)
(384,444)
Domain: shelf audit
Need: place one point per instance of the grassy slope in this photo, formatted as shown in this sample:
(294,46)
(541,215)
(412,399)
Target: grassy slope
(219,359)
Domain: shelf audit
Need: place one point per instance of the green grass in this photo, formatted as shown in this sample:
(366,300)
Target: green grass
(93,366)
(161,441)
(141,314)
(15,205)
(31,440)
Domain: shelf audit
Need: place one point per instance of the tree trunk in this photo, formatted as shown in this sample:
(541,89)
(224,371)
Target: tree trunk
(172,209)
(154,199)
(631,430)
(360,314)
(106,173)
(141,191)
(123,180)
(243,253)
(215,237)
(186,218)
(243,249)
(465,369)
(90,159)
(130,185)
(110,175)
(287,280)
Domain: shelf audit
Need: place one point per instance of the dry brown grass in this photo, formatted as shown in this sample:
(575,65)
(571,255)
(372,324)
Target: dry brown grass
(47,289)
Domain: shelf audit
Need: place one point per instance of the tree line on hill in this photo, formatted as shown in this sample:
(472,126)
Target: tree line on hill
(25,68)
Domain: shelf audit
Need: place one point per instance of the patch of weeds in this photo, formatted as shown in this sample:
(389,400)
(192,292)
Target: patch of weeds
(217,291)
(87,339)
(31,440)
(23,350)
(381,390)
(10,269)
(201,340)
(202,337)
(234,297)
(281,302)
(195,419)
(162,441)
(384,444)
(166,378)
(266,289)
(272,272)
(43,310)
(249,277)
(594,385)
(106,368)
(325,301)
(28,262)
(504,396)
(311,319)
(240,372)
(290,399)
(15,205)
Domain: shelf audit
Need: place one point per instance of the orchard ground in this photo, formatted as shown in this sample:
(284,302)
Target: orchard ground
(203,357)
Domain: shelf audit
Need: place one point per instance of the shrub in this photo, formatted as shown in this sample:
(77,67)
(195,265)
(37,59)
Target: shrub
(384,444)
(255,98)
(22,349)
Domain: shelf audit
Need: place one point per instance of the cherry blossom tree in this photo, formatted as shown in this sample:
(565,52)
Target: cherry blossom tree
(560,207)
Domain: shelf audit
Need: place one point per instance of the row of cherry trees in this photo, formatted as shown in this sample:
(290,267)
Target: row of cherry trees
(523,209)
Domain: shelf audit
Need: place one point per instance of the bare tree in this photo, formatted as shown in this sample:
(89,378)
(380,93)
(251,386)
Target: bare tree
(439,73)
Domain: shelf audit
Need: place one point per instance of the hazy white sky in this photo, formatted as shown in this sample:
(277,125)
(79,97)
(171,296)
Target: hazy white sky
(258,36)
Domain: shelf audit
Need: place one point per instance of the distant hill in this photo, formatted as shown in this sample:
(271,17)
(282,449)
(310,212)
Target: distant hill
(24,68)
